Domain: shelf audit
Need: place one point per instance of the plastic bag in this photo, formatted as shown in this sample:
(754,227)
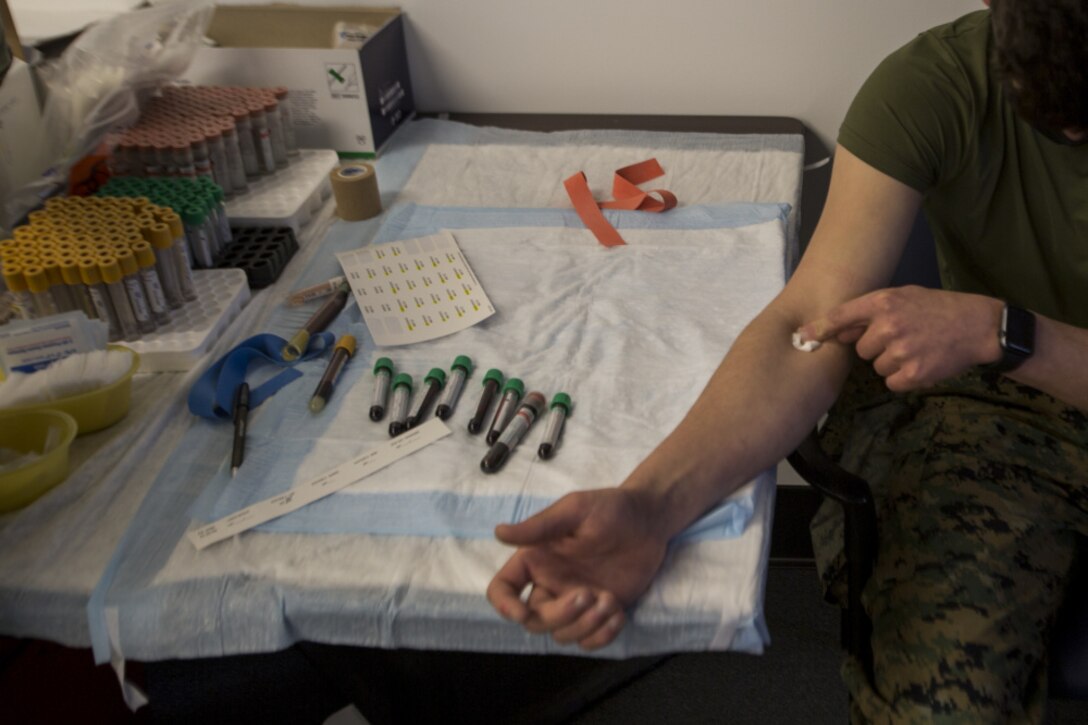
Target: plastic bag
(97,86)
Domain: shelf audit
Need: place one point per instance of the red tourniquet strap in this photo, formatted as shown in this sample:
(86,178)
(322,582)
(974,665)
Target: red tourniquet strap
(627,196)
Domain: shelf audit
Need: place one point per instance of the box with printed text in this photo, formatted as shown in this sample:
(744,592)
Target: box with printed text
(349,98)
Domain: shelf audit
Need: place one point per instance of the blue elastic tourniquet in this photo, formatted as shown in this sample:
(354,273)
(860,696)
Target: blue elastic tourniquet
(212,395)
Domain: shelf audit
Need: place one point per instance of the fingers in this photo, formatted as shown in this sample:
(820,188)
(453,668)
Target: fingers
(542,611)
(592,621)
(597,626)
(605,633)
(554,522)
(549,613)
(829,328)
(845,323)
(504,591)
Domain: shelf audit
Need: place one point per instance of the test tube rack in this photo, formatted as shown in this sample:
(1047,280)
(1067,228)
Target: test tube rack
(289,197)
(181,344)
(261,252)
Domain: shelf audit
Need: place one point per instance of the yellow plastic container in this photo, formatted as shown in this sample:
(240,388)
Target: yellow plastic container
(28,432)
(95,409)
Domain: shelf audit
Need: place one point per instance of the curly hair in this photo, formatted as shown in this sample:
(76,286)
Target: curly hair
(1040,51)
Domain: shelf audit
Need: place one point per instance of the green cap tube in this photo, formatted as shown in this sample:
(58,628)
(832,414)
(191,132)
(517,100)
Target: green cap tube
(561,399)
(464,362)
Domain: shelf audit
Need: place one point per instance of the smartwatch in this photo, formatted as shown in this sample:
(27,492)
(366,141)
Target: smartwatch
(1017,339)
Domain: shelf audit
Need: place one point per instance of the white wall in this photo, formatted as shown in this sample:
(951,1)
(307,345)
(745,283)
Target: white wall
(800,58)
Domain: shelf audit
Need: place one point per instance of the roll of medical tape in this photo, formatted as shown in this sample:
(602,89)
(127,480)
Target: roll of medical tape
(355,187)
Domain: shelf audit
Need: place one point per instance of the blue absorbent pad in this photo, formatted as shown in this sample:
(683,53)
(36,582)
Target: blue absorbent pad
(401,559)
(573,319)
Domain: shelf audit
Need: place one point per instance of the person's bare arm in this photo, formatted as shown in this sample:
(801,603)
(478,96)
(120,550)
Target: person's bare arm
(593,553)
(766,395)
(916,337)
(1059,363)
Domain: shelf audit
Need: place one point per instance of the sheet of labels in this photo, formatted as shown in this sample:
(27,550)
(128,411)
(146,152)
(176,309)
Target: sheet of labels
(415,289)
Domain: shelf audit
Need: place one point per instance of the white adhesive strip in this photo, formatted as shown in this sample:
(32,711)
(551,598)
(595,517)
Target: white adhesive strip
(327,483)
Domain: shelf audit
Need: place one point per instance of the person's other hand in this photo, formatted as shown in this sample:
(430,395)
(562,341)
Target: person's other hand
(587,556)
(915,336)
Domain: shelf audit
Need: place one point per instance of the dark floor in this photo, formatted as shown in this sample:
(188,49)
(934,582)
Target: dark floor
(796,680)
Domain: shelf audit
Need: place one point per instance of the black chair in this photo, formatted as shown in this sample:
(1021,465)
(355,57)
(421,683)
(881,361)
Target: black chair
(1068,653)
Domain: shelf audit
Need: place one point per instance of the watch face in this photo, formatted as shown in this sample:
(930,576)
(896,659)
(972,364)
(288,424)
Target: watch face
(1018,331)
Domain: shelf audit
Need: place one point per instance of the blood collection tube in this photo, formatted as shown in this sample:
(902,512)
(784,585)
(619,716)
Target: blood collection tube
(149,157)
(553,426)
(183,264)
(275,131)
(319,321)
(289,139)
(200,245)
(492,383)
(167,164)
(92,278)
(115,288)
(262,138)
(69,269)
(459,370)
(434,381)
(508,405)
(514,431)
(398,407)
(219,213)
(134,288)
(205,201)
(344,350)
(244,132)
(313,292)
(162,241)
(383,372)
(235,163)
(149,278)
(217,151)
(132,151)
(182,160)
(57,286)
(36,217)
(202,160)
(37,281)
(16,284)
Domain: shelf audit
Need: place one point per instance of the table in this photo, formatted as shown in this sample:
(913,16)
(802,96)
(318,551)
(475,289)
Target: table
(56,622)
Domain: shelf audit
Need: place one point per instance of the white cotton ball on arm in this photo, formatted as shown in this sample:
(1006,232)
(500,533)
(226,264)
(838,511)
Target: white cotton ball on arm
(804,345)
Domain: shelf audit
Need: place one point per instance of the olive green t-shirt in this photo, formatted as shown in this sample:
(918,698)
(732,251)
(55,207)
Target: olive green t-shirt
(1008,206)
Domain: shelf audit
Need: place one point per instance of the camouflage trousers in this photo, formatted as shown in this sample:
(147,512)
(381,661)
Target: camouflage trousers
(981,488)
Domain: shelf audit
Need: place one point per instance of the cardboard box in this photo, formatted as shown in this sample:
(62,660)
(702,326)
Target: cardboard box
(24,153)
(347,100)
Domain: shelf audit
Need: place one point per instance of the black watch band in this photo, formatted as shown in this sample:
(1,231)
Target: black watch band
(1017,339)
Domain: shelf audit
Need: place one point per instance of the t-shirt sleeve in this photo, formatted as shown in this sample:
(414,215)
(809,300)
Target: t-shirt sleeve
(911,116)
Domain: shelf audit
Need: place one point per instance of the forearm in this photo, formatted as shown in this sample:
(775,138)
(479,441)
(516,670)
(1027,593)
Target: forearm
(762,400)
(766,396)
(1059,366)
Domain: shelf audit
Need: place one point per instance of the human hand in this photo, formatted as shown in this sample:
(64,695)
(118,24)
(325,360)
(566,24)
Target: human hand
(587,556)
(915,336)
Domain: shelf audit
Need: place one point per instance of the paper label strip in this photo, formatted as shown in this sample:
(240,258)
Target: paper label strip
(327,483)
(627,196)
